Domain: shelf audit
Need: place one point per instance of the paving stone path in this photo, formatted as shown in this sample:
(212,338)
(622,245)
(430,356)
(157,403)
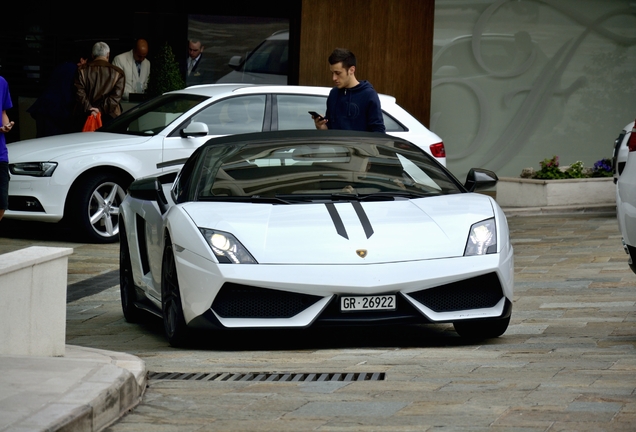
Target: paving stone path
(567,361)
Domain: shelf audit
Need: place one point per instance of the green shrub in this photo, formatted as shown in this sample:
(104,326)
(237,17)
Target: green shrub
(602,168)
(575,170)
(164,73)
(550,170)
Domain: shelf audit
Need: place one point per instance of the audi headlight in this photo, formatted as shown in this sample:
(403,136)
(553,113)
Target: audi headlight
(226,248)
(34,169)
(482,238)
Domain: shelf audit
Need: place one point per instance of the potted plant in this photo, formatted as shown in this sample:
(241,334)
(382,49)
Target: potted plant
(550,170)
(555,185)
(164,74)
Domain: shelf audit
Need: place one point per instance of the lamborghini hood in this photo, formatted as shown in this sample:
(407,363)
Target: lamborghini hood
(348,232)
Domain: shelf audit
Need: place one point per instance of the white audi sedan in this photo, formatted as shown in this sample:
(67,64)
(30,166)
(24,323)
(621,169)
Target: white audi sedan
(306,228)
(81,178)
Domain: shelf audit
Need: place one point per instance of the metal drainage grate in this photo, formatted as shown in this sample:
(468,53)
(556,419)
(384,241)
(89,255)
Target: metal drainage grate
(267,377)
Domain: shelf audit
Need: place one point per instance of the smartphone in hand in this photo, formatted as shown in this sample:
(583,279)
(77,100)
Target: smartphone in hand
(314,114)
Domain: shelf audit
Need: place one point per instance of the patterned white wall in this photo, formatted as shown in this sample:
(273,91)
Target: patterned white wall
(518,81)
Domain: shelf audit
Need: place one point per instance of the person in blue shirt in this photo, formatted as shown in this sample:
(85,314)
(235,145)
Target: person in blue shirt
(352,104)
(5,127)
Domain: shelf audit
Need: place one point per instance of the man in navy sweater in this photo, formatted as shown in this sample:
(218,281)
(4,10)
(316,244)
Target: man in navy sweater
(352,104)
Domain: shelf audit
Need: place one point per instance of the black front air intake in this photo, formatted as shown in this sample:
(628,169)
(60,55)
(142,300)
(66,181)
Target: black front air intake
(475,293)
(241,301)
(25,204)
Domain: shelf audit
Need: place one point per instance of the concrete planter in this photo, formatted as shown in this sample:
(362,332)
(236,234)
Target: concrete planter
(519,192)
(33,292)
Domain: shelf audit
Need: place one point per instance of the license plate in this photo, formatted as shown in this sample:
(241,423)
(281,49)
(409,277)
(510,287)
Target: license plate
(364,303)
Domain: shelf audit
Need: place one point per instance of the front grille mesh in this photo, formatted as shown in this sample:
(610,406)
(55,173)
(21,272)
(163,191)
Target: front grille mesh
(268,376)
(476,293)
(240,301)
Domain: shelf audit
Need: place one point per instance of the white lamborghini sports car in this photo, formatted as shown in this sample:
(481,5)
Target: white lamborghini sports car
(302,228)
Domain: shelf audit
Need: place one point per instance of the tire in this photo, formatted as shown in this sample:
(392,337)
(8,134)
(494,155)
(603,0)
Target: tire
(132,313)
(94,206)
(171,306)
(482,329)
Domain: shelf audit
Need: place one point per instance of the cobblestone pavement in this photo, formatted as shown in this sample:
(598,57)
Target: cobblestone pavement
(87,260)
(567,361)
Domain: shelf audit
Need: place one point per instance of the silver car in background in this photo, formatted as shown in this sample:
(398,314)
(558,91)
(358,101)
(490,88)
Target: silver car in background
(268,63)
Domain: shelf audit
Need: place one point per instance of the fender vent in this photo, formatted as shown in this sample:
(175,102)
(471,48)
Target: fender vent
(267,376)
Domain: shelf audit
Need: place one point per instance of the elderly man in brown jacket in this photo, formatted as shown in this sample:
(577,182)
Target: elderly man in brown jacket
(99,85)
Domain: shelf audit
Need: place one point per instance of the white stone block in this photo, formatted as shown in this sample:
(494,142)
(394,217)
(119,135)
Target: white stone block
(33,288)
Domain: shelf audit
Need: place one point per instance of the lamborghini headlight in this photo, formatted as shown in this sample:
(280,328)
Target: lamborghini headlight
(226,248)
(35,169)
(482,238)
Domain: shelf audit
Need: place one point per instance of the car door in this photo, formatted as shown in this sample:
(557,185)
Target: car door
(228,116)
(291,111)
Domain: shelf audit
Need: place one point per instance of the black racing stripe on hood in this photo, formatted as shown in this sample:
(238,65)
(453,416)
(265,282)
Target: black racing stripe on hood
(364,219)
(337,221)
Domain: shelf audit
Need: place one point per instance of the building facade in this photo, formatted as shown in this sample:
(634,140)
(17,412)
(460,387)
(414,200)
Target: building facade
(505,83)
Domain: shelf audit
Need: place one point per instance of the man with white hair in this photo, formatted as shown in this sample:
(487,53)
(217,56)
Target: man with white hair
(99,86)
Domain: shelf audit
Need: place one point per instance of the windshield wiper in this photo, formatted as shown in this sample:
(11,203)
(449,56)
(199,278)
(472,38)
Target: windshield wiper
(268,200)
(376,196)
(326,197)
(256,199)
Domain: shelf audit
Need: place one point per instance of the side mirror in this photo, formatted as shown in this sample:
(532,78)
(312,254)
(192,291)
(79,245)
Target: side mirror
(479,179)
(194,129)
(235,62)
(149,189)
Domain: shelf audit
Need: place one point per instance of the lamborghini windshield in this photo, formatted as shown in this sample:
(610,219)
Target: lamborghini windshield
(291,171)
